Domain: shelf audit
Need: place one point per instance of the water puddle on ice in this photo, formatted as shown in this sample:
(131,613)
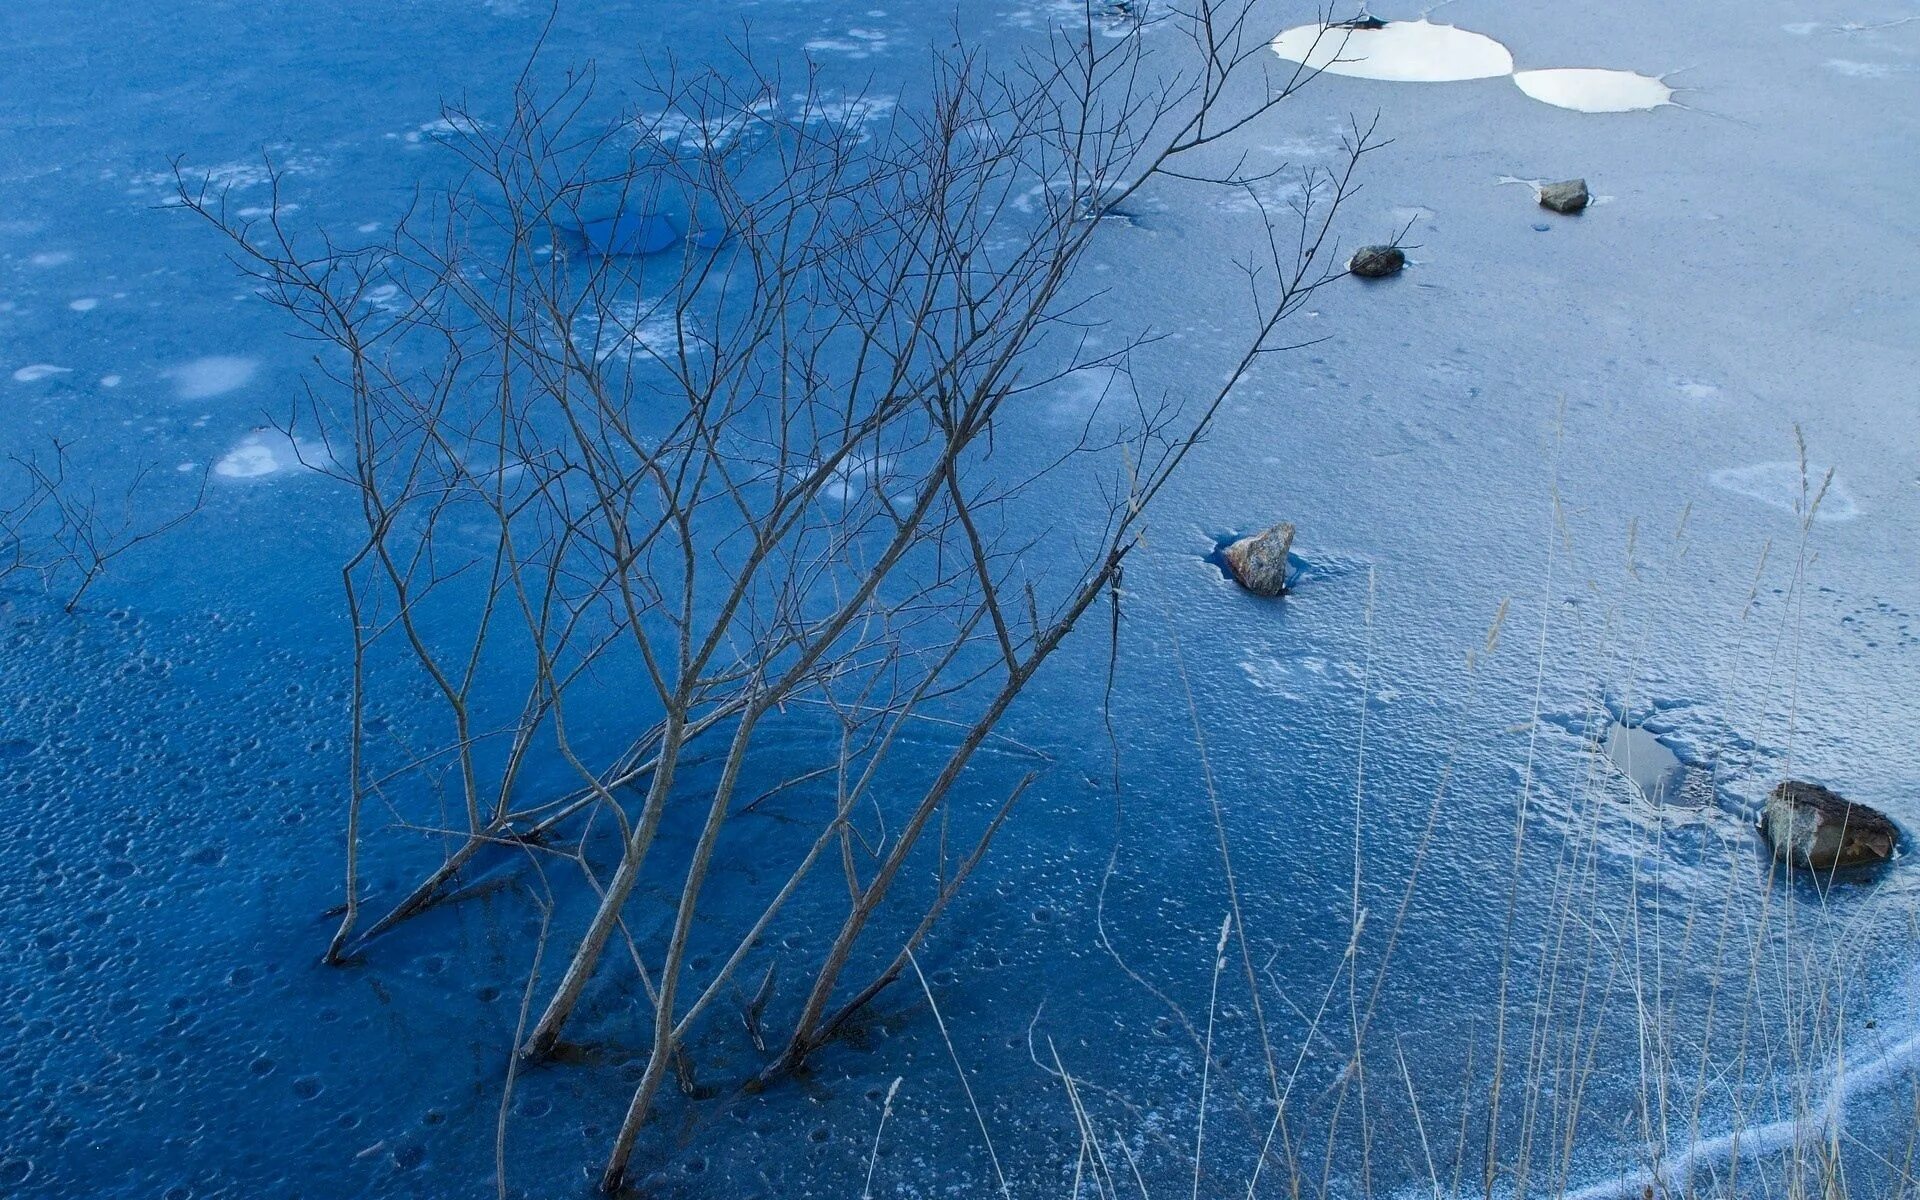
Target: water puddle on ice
(1653,769)
(629,234)
(1593,90)
(1403,51)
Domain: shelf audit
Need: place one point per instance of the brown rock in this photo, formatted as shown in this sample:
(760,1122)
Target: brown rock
(1817,828)
(1259,561)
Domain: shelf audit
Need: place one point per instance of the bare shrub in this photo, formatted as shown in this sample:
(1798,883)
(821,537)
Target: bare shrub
(752,471)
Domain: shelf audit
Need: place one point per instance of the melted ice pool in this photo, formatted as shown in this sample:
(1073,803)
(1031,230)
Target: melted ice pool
(1404,51)
(1593,90)
(1654,769)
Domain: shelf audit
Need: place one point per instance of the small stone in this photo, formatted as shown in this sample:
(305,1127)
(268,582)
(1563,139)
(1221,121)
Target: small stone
(1259,561)
(1567,196)
(1377,262)
(1821,830)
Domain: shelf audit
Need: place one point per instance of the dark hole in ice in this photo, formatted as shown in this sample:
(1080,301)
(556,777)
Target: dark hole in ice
(629,234)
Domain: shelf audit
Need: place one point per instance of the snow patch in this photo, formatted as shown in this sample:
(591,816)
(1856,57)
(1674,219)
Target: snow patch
(1400,51)
(1594,90)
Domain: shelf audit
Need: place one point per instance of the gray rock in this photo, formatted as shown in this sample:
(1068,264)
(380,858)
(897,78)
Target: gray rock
(1567,196)
(1821,830)
(1259,561)
(1377,262)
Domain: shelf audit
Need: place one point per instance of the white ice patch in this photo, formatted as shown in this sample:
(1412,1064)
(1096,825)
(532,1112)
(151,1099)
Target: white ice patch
(215,375)
(1859,70)
(1401,51)
(1826,1122)
(1300,677)
(228,176)
(678,131)
(1594,90)
(856,475)
(1081,394)
(857,43)
(843,112)
(1781,485)
(386,297)
(269,452)
(84,304)
(452,125)
(623,331)
(51,258)
(37,372)
(110,381)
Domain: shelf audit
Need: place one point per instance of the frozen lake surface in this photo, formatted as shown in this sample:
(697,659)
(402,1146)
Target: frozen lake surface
(1579,429)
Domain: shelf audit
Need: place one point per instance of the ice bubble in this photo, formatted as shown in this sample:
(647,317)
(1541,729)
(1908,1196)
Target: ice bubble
(269,452)
(1594,90)
(1402,51)
(214,375)
(84,304)
(1782,485)
(37,372)
(51,258)
(110,381)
